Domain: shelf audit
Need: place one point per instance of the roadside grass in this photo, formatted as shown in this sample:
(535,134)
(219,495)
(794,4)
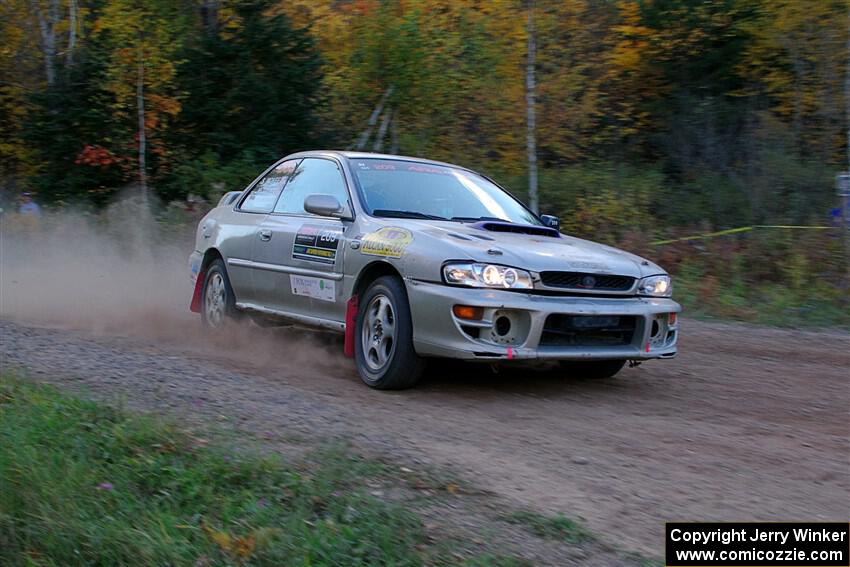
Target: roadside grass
(557,527)
(804,304)
(85,484)
(562,529)
(772,306)
(642,561)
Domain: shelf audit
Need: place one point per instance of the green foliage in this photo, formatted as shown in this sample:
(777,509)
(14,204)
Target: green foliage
(208,177)
(85,484)
(553,527)
(63,122)
(602,201)
(771,277)
(221,102)
(251,91)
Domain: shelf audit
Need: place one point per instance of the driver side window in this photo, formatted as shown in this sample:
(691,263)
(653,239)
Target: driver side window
(314,175)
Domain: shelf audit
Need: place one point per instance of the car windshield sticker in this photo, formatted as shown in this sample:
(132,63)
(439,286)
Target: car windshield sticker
(316,243)
(401,165)
(390,242)
(315,288)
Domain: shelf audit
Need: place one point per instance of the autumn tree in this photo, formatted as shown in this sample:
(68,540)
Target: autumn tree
(144,36)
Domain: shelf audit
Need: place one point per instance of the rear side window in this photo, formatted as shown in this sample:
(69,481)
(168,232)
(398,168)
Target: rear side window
(314,175)
(264,194)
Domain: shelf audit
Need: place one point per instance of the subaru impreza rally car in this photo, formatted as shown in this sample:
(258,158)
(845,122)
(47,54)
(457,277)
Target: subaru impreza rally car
(414,259)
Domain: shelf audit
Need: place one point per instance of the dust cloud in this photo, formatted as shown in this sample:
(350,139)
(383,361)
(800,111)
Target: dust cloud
(109,272)
(120,273)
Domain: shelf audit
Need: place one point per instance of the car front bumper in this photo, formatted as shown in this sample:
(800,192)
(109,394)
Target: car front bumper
(540,326)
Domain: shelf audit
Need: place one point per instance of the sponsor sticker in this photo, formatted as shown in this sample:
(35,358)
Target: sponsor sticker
(315,288)
(389,242)
(316,243)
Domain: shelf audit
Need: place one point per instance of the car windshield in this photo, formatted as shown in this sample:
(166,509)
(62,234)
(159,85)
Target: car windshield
(408,189)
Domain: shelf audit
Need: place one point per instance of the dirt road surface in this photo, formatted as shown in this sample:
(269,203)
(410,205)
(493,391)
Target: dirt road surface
(747,424)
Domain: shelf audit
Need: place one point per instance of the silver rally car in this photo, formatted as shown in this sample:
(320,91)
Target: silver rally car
(413,259)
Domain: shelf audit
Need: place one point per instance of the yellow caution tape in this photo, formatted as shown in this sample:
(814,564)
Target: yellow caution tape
(736,231)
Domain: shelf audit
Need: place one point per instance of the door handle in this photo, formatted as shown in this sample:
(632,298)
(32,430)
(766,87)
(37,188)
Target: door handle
(265,235)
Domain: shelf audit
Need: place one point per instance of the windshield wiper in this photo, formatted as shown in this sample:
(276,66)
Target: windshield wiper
(390,213)
(476,219)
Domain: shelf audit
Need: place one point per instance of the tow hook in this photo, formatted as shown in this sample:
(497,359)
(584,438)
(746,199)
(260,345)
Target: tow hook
(635,363)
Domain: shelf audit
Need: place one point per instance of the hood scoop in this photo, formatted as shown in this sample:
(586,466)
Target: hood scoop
(496,226)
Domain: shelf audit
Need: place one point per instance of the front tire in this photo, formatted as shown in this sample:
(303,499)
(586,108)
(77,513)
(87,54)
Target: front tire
(218,302)
(386,359)
(594,369)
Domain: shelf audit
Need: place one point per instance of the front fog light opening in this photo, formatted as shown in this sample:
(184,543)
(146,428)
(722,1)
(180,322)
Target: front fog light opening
(658,333)
(510,327)
(502,326)
(656,329)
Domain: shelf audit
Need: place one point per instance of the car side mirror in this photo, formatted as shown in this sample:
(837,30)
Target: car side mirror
(325,206)
(551,221)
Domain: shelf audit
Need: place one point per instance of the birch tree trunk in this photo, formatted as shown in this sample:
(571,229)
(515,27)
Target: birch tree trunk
(378,146)
(209,14)
(531,143)
(140,104)
(394,133)
(373,119)
(72,33)
(47,30)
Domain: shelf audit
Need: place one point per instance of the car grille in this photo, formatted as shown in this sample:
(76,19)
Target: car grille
(587,330)
(584,281)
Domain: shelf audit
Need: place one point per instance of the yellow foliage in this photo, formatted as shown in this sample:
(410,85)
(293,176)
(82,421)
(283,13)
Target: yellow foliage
(797,57)
(607,216)
(240,548)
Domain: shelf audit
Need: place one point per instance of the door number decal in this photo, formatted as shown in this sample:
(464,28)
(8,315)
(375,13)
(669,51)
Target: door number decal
(316,243)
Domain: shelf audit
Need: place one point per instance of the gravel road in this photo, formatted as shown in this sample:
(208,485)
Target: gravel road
(747,424)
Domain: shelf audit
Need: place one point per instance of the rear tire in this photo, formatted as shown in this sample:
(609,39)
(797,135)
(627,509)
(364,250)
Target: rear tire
(218,302)
(594,369)
(383,349)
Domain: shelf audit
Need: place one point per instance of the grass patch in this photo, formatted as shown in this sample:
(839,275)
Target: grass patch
(557,527)
(766,305)
(85,484)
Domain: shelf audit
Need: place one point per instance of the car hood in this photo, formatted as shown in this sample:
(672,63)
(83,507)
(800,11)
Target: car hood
(530,252)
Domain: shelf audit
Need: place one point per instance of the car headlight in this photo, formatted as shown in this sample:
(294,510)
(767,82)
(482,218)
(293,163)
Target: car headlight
(486,275)
(656,286)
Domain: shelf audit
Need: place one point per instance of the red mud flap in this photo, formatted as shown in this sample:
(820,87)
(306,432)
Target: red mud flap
(350,325)
(195,306)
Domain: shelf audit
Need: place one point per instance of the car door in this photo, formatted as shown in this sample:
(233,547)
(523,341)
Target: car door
(299,262)
(244,223)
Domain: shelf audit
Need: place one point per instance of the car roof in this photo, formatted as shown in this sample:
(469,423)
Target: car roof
(370,155)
